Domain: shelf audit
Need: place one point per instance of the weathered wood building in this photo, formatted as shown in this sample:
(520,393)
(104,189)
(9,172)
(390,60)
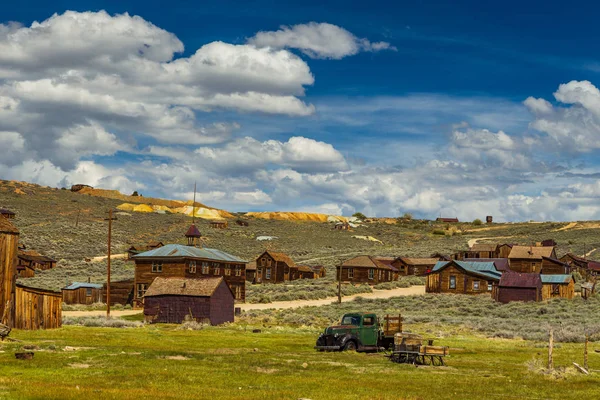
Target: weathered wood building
(9,242)
(33,259)
(364,269)
(140,248)
(482,250)
(447,220)
(7,213)
(319,270)
(121,292)
(179,261)
(82,293)
(241,222)
(504,250)
(274,267)
(218,224)
(414,266)
(528,259)
(175,300)
(466,277)
(515,286)
(251,272)
(550,266)
(306,272)
(25,271)
(558,286)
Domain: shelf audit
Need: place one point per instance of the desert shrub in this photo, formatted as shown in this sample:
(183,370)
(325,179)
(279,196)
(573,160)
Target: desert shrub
(191,326)
(102,322)
(477,221)
(439,232)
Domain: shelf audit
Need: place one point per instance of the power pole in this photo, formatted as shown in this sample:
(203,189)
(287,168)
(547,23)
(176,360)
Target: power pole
(110,220)
(340,286)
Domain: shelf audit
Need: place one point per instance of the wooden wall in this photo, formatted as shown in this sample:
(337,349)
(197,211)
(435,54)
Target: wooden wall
(565,291)
(508,294)
(37,309)
(9,243)
(361,275)
(526,265)
(80,296)
(439,282)
(549,267)
(121,292)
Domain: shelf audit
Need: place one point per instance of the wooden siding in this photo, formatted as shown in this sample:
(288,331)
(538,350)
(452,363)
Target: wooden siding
(25,272)
(8,258)
(504,251)
(121,292)
(526,265)
(180,269)
(439,282)
(361,275)
(82,296)
(37,309)
(552,268)
(508,294)
(216,309)
(554,290)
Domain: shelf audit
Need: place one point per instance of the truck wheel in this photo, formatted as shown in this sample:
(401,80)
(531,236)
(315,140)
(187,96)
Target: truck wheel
(350,346)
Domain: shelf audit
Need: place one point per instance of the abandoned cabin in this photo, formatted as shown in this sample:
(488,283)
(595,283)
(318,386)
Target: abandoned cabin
(588,289)
(558,285)
(482,250)
(466,277)
(82,293)
(274,267)
(121,292)
(319,270)
(550,266)
(140,248)
(218,224)
(447,220)
(414,266)
(306,272)
(515,286)
(7,213)
(364,269)
(34,260)
(23,307)
(180,261)
(251,272)
(175,300)
(241,222)
(528,259)
(504,250)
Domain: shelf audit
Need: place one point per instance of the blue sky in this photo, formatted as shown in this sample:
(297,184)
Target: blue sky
(434,108)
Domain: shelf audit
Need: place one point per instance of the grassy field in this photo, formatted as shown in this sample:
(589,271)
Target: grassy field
(278,363)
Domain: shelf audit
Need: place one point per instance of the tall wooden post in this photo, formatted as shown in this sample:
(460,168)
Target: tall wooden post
(340,286)
(550,349)
(585,353)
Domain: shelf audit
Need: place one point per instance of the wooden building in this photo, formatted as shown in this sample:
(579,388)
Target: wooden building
(414,266)
(121,292)
(82,293)
(37,308)
(528,259)
(25,271)
(364,269)
(515,286)
(179,261)
(306,272)
(9,242)
(504,250)
(175,300)
(464,277)
(588,289)
(319,270)
(447,220)
(489,219)
(140,248)
(7,213)
(483,250)
(550,266)
(218,224)
(33,259)
(193,236)
(559,285)
(501,264)
(274,267)
(251,272)
(549,243)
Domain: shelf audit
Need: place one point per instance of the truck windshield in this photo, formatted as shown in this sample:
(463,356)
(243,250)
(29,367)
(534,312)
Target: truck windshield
(351,320)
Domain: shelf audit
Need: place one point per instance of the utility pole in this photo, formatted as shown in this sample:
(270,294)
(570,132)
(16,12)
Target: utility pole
(340,286)
(110,220)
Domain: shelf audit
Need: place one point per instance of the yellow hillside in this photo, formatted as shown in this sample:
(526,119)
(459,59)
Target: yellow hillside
(296,216)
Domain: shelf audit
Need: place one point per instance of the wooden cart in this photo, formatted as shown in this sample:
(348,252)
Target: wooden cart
(409,348)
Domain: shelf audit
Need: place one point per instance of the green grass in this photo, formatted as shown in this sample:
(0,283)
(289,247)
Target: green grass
(279,363)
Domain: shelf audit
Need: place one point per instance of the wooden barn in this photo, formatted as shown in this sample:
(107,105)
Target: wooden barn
(515,286)
(82,293)
(37,308)
(7,213)
(218,224)
(528,259)
(175,300)
(561,286)
(482,250)
(414,266)
(274,267)
(121,292)
(465,277)
(180,261)
(364,269)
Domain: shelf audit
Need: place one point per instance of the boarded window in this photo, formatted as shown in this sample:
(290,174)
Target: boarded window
(555,289)
(88,291)
(475,285)
(371,273)
(268,273)
(238,270)
(350,273)
(217,270)
(157,267)
(192,267)
(141,289)
(452,284)
(238,292)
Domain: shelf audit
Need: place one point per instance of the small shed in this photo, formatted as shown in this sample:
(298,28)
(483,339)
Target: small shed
(306,272)
(515,286)
(241,222)
(25,271)
(7,213)
(82,293)
(175,300)
(251,272)
(588,289)
(37,308)
(447,220)
(562,286)
(319,270)
(218,224)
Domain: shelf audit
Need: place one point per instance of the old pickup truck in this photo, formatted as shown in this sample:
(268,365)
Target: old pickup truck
(360,332)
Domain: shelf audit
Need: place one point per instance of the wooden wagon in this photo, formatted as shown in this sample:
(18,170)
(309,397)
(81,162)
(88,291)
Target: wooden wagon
(409,348)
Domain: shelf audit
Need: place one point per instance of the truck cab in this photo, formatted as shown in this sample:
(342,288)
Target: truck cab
(356,331)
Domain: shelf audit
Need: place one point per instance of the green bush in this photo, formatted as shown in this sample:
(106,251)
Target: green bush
(439,232)
(477,221)
(360,216)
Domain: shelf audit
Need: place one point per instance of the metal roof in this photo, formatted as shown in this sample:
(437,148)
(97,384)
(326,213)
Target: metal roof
(486,269)
(79,285)
(204,287)
(556,278)
(179,250)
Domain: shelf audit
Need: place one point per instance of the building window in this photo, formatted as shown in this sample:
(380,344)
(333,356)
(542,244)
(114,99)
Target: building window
(238,292)
(88,291)
(263,261)
(555,290)
(371,273)
(192,267)
(217,270)
(350,273)
(490,286)
(475,285)
(238,270)
(157,267)
(227,271)
(141,289)
(268,273)
(452,282)
(205,268)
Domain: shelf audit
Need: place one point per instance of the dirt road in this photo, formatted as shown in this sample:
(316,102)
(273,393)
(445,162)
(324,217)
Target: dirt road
(377,294)
(471,242)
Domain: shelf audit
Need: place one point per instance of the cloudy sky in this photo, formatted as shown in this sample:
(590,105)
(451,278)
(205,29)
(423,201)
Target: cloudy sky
(452,108)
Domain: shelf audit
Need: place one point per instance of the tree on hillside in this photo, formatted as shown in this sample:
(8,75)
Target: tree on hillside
(135,193)
(359,216)
(477,221)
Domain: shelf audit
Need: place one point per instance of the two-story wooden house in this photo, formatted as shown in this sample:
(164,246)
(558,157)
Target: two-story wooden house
(528,259)
(365,269)
(274,267)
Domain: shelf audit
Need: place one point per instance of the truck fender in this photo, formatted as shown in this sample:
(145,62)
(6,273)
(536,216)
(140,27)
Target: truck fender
(348,337)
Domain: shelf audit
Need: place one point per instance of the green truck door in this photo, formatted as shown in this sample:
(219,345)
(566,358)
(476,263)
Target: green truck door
(369,331)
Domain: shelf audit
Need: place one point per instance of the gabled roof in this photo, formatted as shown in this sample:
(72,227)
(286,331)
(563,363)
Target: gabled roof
(179,250)
(531,252)
(418,261)
(593,265)
(7,227)
(280,257)
(500,263)
(305,268)
(387,261)
(557,278)
(193,232)
(203,287)
(32,255)
(520,280)
(485,269)
(86,285)
(555,261)
(484,247)
(365,261)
